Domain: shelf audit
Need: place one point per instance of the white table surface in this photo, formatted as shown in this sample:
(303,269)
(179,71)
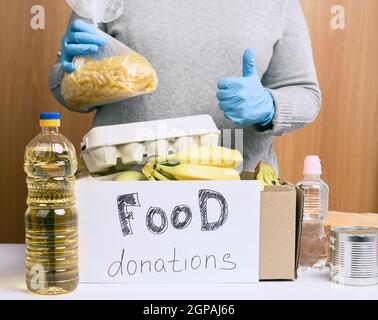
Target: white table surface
(310,285)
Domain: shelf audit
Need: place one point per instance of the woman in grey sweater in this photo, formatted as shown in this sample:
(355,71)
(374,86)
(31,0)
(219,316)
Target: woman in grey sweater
(198,49)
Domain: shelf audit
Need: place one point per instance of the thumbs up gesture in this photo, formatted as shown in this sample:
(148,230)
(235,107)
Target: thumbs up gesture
(244,100)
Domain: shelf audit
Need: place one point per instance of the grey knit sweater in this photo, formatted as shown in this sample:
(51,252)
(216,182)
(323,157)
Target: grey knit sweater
(194,43)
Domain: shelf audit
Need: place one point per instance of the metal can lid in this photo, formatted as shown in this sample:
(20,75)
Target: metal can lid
(355,234)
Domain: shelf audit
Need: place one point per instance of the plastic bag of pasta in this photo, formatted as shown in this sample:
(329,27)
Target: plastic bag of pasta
(114,73)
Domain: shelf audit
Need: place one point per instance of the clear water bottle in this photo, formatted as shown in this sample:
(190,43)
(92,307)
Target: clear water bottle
(51,219)
(313,250)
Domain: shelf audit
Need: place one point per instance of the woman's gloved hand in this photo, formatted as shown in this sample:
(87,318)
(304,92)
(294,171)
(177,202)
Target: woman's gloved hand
(81,39)
(244,100)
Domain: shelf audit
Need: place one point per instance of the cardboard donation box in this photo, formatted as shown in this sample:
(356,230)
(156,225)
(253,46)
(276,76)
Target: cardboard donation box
(187,231)
(179,231)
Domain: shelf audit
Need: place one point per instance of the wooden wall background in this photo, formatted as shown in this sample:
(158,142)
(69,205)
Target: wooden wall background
(345,135)
(26,56)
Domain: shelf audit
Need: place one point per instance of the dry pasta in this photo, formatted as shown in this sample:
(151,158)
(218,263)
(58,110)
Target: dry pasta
(109,80)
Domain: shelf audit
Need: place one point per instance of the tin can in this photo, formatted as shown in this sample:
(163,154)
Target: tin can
(354,256)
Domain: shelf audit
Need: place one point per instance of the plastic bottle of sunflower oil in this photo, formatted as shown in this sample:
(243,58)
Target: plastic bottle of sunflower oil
(313,247)
(51,218)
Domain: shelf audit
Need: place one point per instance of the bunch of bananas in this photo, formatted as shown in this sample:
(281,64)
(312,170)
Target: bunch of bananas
(200,163)
(266,175)
(197,163)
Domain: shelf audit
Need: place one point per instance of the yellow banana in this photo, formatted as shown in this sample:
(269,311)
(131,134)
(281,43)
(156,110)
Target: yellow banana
(197,172)
(205,156)
(166,175)
(263,183)
(266,175)
(130,176)
(148,170)
(160,177)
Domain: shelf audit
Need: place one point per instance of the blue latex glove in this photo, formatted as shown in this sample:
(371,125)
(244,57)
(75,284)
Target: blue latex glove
(81,39)
(244,100)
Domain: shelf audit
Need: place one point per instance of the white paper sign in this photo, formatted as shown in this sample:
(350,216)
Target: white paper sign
(169,232)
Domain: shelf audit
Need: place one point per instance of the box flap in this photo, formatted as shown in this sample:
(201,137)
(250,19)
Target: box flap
(280,230)
(300,203)
(278,223)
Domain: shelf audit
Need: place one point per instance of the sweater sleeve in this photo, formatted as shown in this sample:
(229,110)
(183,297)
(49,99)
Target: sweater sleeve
(291,76)
(56,76)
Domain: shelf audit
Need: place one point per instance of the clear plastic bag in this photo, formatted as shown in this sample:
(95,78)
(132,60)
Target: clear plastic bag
(114,73)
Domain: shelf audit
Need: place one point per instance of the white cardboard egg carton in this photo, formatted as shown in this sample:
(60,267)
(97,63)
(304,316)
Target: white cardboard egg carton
(117,147)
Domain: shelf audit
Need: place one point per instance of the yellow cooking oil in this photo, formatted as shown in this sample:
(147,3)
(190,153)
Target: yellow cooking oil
(51,220)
